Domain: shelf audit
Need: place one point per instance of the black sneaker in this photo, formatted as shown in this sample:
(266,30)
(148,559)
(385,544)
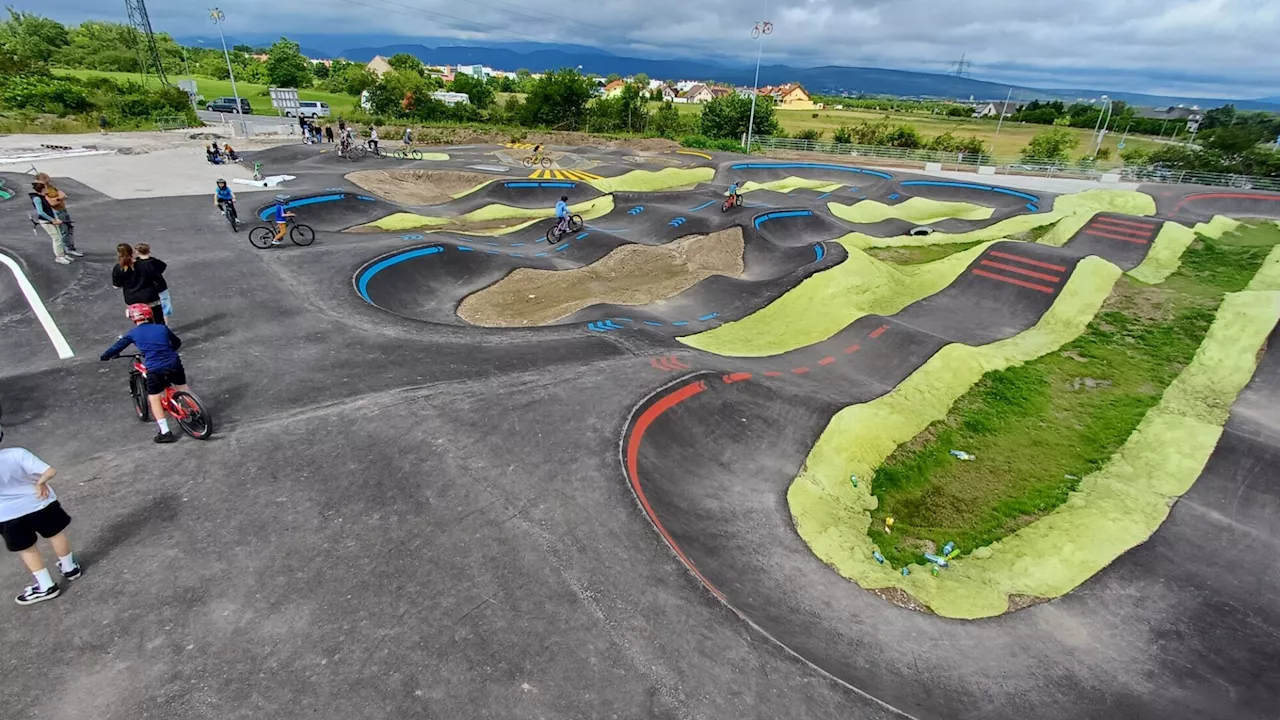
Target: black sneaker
(74,573)
(33,595)
(167,437)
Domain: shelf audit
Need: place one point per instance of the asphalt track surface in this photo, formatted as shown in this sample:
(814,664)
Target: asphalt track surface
(405,516)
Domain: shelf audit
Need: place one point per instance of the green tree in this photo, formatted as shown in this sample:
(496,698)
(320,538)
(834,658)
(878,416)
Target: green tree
(559,100)
(31,39)
(96,45)
(286,67)
(666,121)
(246,49)
(613,77)
(404,62)
(477,90)
(727,117)
(1051,146)
(641,80)
(320,70)
(398,93)
(1233,139)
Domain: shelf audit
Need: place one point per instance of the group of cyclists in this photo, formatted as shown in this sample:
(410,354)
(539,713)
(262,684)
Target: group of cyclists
(347,138)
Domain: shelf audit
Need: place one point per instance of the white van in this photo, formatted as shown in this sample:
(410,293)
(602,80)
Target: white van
(309,108)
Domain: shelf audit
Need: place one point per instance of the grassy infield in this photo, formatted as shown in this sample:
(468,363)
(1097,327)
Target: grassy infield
(1037,428)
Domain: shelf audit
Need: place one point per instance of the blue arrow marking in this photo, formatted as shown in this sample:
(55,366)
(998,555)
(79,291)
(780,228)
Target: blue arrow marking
(708,316)
(636,210)
(582,235)
(703,205)
(819,251)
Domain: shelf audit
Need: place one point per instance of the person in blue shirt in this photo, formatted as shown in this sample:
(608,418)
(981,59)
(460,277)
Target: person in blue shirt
(224,199)
(562,214)
(281,216)
(159,348)
(733,191)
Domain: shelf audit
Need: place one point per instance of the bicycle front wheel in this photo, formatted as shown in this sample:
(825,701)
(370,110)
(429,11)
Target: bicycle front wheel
(545,163)
(192,416)
(260,237)
(575,223)
(356,153)
(302,235)
(138,390)
(417,154)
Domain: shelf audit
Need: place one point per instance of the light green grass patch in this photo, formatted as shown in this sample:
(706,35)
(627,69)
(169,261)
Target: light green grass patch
(827,302)
(918,210)
(655,180)
(1114,509)
(791,183)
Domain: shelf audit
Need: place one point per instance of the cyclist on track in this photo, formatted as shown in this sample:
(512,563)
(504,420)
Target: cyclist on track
(562,215)
(408,137)
(224,199)
(733,191)
(281,218)
(373,138)
(159,348)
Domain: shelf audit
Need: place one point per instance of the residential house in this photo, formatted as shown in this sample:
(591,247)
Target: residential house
(326,63)
(993,110)
(699,93)
(791,96)
(614,89)
(451,98)
(668,93)
(719,92)
(684,85)
(378,66)
(476,71)
(1169,113)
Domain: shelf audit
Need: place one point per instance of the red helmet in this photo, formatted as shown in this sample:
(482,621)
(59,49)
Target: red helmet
(138,312)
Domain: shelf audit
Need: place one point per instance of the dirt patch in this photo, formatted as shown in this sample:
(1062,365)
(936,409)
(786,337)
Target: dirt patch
(1140,301)
(1018,602)
(630,275)
(901,598)
(418,187)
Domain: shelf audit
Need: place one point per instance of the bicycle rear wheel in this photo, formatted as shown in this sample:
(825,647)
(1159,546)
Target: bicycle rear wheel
(527,162)
(553,234)
(260,237)
(192,416)
(138,390)
(302,235)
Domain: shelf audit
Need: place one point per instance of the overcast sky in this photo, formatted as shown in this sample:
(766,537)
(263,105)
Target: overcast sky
(1214,48)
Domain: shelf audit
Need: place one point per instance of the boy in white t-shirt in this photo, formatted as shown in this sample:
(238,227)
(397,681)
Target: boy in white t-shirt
(28,506)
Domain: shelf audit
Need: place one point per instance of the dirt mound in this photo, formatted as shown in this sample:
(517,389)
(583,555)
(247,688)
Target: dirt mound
(418,187)
(630,275)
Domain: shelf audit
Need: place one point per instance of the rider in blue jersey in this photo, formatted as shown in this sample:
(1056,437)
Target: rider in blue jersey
(562,213)
(159,348)
(281,217)
(224,199)
(733,191)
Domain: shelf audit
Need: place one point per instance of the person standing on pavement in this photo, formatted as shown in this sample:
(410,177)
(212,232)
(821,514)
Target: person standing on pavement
(29,507)
(328,133)
(58,201)
(154,268)
(138,287)
(47,219)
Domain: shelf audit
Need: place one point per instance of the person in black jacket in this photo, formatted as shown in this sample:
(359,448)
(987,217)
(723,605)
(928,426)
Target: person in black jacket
(139,287)
(154,268)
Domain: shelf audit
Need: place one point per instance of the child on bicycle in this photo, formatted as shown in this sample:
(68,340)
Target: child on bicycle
(282,220)
(373,139)
(562,214)
(733,191)
(159,348)
(224,199)
(408,138)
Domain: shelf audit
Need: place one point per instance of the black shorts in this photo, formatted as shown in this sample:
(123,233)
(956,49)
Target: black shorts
(158,380)
(20,533)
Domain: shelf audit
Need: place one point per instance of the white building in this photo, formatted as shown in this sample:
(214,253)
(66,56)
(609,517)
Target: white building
(478,71)
(450,98)
(684,85)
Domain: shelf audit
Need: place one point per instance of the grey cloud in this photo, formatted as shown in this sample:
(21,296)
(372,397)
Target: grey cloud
(1215,47)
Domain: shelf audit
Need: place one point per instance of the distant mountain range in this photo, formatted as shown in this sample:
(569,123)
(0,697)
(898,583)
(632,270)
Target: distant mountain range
(828,80)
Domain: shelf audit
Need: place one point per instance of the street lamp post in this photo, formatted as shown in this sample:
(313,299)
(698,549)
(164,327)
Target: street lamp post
(762,28)
(218,19)
(1098,140)
(1000,122)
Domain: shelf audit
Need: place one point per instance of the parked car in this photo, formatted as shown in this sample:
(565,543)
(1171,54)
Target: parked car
(228,105)
(309,108)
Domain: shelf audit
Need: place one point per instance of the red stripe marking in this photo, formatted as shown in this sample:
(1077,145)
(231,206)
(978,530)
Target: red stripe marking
(1099,233)
(1029,261)
(1020,271)
(1122,230)
(736,377)
(1212,196)
(852,349)
(879,331)
(826,360)
(1144,225)
(633,468)
(800,370)
(1013,281)
(772,373)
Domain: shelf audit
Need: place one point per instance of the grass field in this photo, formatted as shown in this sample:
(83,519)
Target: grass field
(339,104)
(1038,428)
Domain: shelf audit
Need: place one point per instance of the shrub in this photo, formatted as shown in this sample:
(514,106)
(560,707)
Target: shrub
(843,135)
(809,134)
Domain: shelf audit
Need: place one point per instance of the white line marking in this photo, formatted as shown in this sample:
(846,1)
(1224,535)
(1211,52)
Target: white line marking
(37,307)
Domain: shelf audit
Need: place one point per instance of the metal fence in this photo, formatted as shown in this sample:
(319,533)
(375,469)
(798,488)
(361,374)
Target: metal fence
(1085,170)
(171,122)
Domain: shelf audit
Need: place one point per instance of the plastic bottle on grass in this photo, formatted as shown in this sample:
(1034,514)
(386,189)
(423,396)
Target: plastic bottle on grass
(854,479)
(946,549)
(879,558)
(936,559)
(962,455)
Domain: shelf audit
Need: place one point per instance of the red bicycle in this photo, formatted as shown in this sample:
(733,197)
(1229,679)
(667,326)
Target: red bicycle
(731,202)
(181,405)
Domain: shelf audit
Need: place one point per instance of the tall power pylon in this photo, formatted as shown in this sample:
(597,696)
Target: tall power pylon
(148,51)
(961,67)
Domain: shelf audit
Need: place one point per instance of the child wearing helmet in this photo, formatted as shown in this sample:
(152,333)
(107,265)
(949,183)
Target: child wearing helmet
(282,220)
(562,213)
(159,348)
(224,199)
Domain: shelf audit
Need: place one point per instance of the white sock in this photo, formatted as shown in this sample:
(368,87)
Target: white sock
(66,563)
(164,425)
(43,581)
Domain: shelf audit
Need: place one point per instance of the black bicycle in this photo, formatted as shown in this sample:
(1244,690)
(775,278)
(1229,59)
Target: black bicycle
(228,209)
(375,150)
(302,235)
(407,153)
(559,230)
(353,152)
